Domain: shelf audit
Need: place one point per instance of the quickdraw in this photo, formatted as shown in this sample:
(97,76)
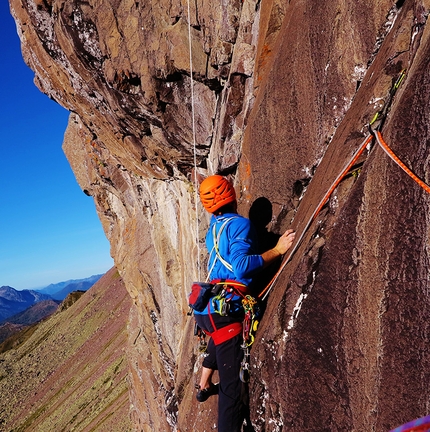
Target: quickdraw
(375,131)
(222,305)
(381,115)
(244,373)
(250,325)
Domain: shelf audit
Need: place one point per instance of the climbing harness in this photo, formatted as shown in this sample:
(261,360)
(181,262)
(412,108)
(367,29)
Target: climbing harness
(375,126)
(229,297)
(216,237)
(224,292)
(223,303)
(223,334)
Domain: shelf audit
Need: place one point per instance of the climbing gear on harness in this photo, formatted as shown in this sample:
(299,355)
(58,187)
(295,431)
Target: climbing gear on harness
(222,303)
(244,373)
(379,118)
(225,291)
(250,322)
(250,325)
(215,192)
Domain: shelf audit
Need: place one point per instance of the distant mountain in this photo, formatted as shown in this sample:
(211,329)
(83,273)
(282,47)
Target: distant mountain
(13,301)
(30,316)
(35,313)
(78,286)
(26,296)
(59,291)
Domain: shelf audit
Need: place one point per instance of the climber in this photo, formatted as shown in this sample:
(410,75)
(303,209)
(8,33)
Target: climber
(231,242)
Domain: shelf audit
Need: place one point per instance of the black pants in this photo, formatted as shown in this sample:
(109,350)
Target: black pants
(226,358)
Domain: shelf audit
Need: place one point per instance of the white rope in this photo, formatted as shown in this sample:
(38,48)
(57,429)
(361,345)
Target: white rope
(196,183)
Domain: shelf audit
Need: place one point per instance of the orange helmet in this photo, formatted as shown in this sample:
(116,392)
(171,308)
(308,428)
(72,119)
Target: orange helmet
(215,192)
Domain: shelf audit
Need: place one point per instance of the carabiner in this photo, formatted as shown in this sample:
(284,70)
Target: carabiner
(244,375)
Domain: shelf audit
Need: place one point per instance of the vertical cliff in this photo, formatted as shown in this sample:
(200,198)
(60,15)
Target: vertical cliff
(277,95)
(349,328)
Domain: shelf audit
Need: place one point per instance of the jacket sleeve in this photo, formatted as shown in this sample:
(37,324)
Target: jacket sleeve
(243,246)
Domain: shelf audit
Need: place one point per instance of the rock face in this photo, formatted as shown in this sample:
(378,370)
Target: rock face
(278,95)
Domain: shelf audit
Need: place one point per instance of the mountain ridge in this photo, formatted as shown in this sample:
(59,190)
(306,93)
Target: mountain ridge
(13,301)
(56,288)
(71,373)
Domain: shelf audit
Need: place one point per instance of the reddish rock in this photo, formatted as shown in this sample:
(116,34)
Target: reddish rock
(282,95)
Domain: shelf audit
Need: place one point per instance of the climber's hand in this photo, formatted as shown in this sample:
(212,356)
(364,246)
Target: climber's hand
(285,241)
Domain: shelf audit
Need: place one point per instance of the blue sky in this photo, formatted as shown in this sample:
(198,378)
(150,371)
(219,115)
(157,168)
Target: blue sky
(49,229)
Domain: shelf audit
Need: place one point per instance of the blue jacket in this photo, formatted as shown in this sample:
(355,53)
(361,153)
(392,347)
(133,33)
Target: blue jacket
(237,245)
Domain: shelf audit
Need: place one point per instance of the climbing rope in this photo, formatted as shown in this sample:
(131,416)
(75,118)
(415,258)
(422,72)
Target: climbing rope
(314,215)
(196,183)
(396,160)
(378,119)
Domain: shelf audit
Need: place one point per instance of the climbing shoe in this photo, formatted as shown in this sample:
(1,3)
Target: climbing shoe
(203,394)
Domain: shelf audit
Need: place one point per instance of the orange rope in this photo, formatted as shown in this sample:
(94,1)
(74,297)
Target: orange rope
(321,204)
(379,116)
(336,182)
(340,177)
(396,160)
